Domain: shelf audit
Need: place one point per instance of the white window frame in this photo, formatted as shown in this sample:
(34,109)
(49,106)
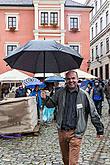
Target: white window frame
(92,33)
(96,28)
(48,16)
(101,48)
(10,43)
(75,44)
(107,44)
(101,23)
(74,16)
(12,15)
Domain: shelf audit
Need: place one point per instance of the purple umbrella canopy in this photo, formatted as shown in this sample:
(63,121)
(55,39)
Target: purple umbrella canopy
(44,56)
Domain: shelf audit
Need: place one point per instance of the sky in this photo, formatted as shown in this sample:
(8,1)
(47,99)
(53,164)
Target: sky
(80,1)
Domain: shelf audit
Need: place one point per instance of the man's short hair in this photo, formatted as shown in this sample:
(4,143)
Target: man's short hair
(71,71)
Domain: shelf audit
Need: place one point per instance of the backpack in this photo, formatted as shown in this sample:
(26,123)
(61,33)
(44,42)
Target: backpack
(96,95)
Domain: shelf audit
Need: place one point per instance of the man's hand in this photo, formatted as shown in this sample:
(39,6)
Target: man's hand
(43,94)
(100,137)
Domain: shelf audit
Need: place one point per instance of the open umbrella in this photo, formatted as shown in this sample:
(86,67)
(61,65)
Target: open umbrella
(32,82)
(44,56)
(54,79)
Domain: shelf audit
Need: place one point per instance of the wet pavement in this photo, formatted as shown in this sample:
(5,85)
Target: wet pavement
(44,148)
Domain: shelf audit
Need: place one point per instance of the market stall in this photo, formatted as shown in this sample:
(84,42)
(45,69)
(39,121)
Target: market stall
(18,115)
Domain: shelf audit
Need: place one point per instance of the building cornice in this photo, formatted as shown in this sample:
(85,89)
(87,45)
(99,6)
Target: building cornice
(101,34)
(74,8)
(49,31)
(99,12)
(49,8)
(56,2)
(17,7)
(14,5)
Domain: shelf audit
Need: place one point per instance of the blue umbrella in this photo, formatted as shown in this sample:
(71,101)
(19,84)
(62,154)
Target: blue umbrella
(54,79)
(32,82)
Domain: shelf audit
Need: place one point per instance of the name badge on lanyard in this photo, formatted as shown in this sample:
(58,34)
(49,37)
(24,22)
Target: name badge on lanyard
(79,106)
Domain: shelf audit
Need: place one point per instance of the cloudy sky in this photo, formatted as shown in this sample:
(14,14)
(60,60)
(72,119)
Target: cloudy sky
(80,1)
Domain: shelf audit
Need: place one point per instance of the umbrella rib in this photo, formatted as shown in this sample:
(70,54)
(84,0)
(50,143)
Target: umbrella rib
(36,59)
(56,63)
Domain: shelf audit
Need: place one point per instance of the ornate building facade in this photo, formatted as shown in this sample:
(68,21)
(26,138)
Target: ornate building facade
(100,38)
(65,21)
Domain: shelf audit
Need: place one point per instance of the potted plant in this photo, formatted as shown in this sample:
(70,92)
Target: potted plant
(12,29)
(74,29)
(54,24)
(43,24)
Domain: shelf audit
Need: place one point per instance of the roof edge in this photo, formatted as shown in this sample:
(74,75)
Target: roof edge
(14,5)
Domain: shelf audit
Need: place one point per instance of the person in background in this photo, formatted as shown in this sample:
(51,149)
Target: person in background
(20,91)
(98,96)
(4,90)
(73,107)
(37,92)
(107,94)
(89,88)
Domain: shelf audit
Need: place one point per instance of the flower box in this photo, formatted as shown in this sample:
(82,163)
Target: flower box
(12,29)
(74,29)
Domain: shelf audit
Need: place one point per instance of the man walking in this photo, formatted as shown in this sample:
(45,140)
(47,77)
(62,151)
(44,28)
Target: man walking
(73,106)
(98,96)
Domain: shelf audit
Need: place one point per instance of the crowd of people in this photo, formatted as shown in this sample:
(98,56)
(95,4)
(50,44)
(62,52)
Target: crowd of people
(69,106)
(97,90)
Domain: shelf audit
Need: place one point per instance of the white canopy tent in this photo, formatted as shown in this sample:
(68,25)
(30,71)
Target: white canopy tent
(38,75)
(81,74)
(13,76)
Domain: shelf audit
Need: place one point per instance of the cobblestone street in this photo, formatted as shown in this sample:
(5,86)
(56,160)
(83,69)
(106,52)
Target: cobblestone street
(44,148)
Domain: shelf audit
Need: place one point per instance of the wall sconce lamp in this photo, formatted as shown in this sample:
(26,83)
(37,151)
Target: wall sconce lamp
(98,60)
(88,62)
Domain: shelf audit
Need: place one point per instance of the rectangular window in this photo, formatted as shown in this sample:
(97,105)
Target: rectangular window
(101,21)
(107,71)
(44,18)
(92,71)
(11,22)
(92,32)
(96,29)
(10,48)
(101,49)
(92,55)
(101,72)
(75,47)
(96,72)
(54,18)
(96,51)
(107,18)
(107,45)
(95,6)
(100,3)
(73,23)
